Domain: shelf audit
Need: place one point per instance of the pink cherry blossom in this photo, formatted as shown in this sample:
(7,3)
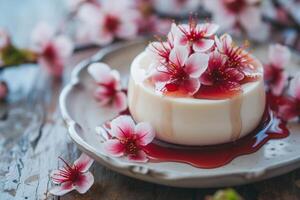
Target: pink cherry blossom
(244,13)
(109,91)
(128,139)
(219,74)
(72,177)
(290,107)
(113,19)
(181,74)
(274,73)
(4,39)
(52,50)
(199,36)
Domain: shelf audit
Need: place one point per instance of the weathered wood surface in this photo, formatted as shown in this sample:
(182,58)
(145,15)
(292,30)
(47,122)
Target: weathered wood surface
(32,136)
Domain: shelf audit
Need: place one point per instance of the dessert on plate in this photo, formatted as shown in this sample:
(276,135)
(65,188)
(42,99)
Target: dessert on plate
(197,88)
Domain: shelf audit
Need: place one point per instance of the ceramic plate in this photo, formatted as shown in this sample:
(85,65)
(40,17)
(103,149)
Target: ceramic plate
(82,114)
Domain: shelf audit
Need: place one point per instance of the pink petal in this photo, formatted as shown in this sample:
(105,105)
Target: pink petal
(84,183)
(55,175)
(250,18)
(277,88)
(158,75)
(114,147)
(64,46)
(279,55)
(122,127)
(145,133)
(203,45)
(101,96)
(127,30)
(141,156)
(120,101)
(101,36)
(179,54)
(84,162)
(89,14)
(234,74)
(41,35)
(191,85)
(4,38)
(62,189)
(209,28)
(288,111)
(205,79)
(196,64)
(223,43)
(54,67)
(101,72)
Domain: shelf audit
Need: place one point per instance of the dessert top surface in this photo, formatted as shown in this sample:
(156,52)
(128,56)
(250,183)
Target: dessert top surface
(193,62)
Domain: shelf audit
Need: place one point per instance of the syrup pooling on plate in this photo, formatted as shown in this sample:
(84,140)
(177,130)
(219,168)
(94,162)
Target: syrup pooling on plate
(215,156)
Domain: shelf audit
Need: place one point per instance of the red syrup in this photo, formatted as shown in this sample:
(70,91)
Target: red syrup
(215,156)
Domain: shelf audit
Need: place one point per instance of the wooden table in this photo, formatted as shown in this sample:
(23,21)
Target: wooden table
(33,135)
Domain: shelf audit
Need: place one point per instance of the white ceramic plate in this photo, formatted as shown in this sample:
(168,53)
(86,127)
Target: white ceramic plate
(82,114)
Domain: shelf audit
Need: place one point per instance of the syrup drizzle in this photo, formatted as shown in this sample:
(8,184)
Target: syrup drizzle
(214,156)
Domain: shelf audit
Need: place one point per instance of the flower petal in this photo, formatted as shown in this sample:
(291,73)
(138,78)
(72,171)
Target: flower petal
(101,96)
(120,101)
(84,183)
(191,85)
(179,54)
(64,46)
(145,133)
(157,74)
(41,35)
(101,72)
(250,18)
(84,162)
(114,148)
(234,74)
(62,189)
(279,55)
(122,127)
(141,156)
(196,64)
(203,45)
(209,29)
(278,87)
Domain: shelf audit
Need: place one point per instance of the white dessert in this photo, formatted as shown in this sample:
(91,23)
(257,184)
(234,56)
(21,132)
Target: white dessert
(190,121)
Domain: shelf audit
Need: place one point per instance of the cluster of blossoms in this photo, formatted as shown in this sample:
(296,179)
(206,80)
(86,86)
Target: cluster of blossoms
(194,61)
(284,95)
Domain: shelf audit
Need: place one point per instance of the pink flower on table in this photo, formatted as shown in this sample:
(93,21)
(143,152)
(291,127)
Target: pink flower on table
(128,139)
(199,36)
(113,19)
(52,50)
(109,91)
(219,74)
(274,73)
(290,107)
(4,39)
(72,177)
(231,14)
(181,74)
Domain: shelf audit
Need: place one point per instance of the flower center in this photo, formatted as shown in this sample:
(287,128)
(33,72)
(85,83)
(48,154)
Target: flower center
(131,147)
(111,23)
(235,6)
(49,52)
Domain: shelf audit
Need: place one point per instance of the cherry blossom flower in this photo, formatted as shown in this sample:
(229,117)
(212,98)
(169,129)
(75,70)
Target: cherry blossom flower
(181,74)
(109,91)
(239,13)
(113,19)
(219,74)
(72,177)
(128,139)
(4,39)
(73,5)
(274,73)
(3,90)
(237,57)
(196,35)
(290,106)
(52,50)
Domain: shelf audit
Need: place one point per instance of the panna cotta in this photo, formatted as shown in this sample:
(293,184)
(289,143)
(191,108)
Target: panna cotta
(196,88)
